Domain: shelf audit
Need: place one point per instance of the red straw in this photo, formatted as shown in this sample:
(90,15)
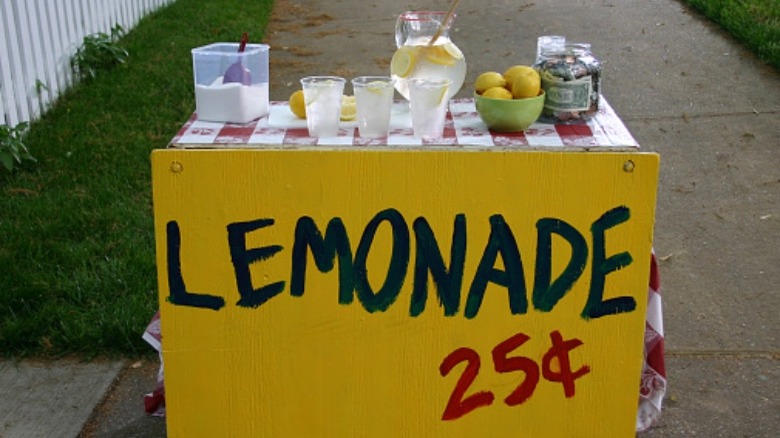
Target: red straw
(244,40)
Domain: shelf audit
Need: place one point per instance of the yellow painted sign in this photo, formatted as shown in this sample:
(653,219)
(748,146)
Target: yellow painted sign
(436,293)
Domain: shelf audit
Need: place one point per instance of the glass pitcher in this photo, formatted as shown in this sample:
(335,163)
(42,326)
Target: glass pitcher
(417,58)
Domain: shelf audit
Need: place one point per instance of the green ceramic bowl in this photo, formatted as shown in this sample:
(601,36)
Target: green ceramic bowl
(509,115)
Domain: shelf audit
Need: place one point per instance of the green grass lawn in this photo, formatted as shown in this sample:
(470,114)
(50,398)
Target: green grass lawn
(755,23)
(77,266)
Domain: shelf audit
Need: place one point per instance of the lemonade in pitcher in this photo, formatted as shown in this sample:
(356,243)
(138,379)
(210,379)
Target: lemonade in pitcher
(416,57)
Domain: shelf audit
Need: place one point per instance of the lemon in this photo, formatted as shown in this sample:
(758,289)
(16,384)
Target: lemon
(514,70)
(487,80)
(348,108)
(403,61)
(297,105)
(438,55)
(497,93)
(526,84)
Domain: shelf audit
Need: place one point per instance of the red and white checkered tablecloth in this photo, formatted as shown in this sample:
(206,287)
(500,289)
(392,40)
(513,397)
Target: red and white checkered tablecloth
(463,128)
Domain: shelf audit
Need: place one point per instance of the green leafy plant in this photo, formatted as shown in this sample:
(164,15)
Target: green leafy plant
(99,52)
(12,147)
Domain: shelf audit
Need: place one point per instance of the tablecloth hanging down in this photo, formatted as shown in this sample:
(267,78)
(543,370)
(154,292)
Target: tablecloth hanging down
(652,387)
(154,402)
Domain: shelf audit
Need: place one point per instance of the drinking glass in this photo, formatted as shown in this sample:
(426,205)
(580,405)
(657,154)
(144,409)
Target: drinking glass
(428,103)
(322,97)
(374,102)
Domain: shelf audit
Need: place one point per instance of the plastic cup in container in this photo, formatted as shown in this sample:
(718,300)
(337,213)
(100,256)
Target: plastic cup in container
(322,97)
(221,100)
(428,105)
(374,102)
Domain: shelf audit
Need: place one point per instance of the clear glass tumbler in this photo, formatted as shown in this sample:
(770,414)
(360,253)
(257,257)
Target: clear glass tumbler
(374,102)
(322,97)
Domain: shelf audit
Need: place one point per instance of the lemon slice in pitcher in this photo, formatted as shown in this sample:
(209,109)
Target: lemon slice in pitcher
(403,61)
(453,50)
(443,54)
(438,55)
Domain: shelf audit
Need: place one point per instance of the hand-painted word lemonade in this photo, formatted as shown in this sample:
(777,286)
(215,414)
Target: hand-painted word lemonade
(416,57)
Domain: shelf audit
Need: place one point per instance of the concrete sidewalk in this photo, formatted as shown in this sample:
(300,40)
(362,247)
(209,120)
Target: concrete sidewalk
(684,89)
(39,399)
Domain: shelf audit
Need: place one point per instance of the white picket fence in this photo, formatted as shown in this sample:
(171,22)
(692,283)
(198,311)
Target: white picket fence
(38,38)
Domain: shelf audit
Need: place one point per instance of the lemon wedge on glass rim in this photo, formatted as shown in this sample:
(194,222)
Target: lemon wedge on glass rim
(403,62)
(377,87)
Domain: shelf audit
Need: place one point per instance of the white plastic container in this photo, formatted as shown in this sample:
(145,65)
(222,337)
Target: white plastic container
(241,101)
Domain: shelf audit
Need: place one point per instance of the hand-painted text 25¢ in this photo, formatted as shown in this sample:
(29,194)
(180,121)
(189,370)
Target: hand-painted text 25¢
(461,404)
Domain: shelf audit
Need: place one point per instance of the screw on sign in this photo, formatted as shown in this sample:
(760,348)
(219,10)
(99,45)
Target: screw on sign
(459,404)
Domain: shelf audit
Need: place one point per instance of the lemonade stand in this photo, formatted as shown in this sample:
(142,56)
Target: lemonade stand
(481,283)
